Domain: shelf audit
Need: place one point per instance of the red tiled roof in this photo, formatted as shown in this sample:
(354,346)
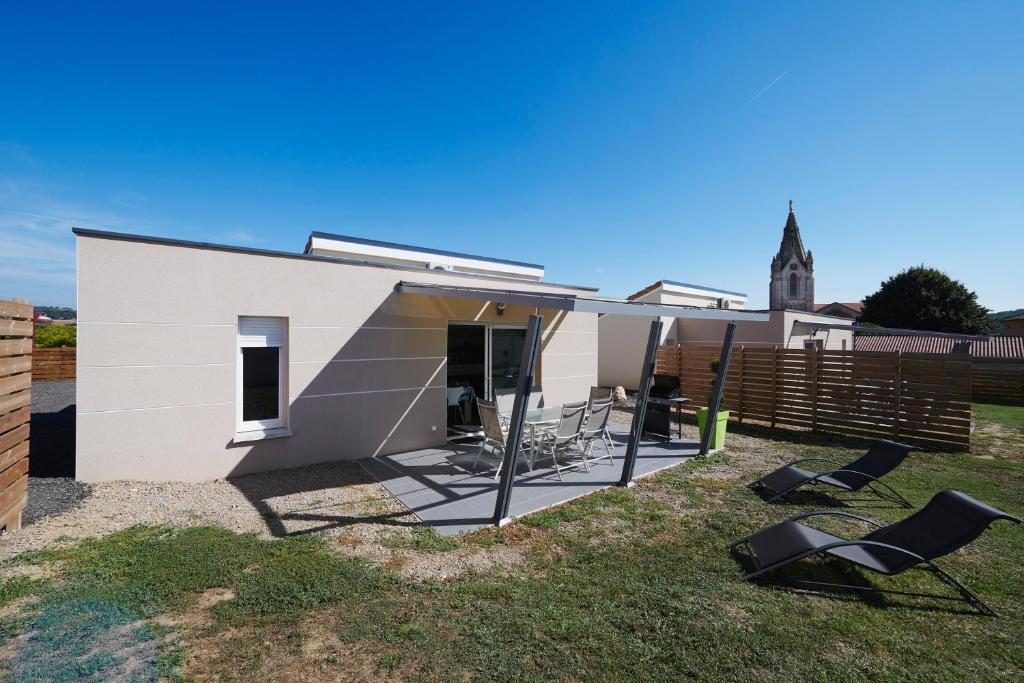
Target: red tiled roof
(995,347)
(855,305)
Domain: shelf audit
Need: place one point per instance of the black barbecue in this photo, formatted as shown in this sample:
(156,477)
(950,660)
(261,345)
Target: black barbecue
(665,393)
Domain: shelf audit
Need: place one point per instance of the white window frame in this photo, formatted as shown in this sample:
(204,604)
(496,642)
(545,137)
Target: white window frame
(251,426)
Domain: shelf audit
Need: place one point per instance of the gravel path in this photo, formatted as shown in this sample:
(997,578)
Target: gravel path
(53,431)
(52,497)
(53,396)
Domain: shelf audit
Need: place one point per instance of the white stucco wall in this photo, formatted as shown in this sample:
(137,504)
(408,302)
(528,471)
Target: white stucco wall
(366,366)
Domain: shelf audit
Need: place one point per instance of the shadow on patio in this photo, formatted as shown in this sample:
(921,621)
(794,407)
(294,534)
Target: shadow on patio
(439,486)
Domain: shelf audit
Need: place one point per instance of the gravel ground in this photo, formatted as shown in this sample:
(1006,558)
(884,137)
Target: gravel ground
(53,430)
(340,500)
(51,497)
(52,397)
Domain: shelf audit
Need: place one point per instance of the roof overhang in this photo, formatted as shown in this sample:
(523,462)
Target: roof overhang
(576,304)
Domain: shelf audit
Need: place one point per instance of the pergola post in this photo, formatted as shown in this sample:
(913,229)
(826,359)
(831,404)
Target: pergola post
(514,438)
(716,397)
(636,427)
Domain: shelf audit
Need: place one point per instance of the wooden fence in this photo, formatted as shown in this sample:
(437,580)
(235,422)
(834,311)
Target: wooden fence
(924,399)
(56,362)
(15,400)
(998,382)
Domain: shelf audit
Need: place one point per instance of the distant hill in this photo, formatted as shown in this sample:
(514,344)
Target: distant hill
(57,312)
(999,315)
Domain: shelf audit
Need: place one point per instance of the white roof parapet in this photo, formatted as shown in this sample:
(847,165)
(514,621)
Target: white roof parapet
(577,304)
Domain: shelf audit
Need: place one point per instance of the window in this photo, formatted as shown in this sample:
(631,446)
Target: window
(793,284)
(814,343)
(262,359)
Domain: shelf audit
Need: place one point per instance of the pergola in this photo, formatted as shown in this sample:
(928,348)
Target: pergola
(600,306)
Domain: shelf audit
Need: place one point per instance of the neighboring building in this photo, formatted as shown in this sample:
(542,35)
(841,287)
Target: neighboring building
(851,310)
(792,282)
(621,340)
(199,361)
(1004,348)
(1013,326)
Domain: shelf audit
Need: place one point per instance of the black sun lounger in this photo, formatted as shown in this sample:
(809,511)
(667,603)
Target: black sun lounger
(949,521)
(866,471)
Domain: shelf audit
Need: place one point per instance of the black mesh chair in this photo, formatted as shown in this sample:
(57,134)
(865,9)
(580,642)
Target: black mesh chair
(948,522)
(883,457)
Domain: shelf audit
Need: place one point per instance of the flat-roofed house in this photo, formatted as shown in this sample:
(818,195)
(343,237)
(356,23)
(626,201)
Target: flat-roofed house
(198,361)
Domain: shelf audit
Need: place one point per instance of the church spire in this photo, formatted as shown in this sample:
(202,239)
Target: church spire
(792,244)
(792,283)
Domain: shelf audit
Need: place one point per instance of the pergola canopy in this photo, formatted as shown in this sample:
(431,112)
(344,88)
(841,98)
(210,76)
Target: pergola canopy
(894,331)
(577,304)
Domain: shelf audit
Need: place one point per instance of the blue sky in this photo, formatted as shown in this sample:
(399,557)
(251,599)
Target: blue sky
(617,143)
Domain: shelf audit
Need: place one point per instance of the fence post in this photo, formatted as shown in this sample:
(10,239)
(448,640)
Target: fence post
(775,382)
(899,393)
(743,372)
(814,388)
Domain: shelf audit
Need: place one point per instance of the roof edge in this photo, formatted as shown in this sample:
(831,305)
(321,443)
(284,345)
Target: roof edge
(409,247)
(192,244)
(707,289)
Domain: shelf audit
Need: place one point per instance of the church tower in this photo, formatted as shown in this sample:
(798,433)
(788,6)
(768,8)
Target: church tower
(792,284)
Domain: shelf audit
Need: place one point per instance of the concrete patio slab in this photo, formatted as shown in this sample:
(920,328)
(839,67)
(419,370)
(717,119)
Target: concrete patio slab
(439,486)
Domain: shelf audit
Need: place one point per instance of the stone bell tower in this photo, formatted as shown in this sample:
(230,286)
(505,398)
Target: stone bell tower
(792,283)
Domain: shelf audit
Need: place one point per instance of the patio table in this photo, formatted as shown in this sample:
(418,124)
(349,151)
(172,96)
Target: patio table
(538,417)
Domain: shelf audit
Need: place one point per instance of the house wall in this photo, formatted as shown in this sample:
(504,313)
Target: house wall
(366,366)
(623,339)
(776,332)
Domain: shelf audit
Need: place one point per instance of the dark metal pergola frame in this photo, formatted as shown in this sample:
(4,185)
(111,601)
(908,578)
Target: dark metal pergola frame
(531,349)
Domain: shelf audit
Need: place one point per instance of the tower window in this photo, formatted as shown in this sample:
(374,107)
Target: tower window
(793,284)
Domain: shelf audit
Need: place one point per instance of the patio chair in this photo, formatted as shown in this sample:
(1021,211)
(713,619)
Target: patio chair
(455,396)
(564,438)
(948,522)
(601,394)
(883,457)
(505,400)
(494,436)
(596,428)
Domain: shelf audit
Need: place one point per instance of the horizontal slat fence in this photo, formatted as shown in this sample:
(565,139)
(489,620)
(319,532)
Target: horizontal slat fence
(923,399)
(15,408)
(57,362)
(998,382)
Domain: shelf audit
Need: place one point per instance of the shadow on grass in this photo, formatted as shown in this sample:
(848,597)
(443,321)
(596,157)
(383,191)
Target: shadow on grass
(262,488)
(821,499)
(827,578)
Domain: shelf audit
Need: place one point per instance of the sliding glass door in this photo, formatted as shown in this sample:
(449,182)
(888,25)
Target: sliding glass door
(482,359)
(506,355)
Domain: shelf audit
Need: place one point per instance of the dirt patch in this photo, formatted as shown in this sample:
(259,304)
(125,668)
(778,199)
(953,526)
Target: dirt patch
(996,441)
(311,651)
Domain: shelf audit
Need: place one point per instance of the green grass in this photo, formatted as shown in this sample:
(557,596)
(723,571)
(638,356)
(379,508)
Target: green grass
(421,538)
(624,584)
(1007,416)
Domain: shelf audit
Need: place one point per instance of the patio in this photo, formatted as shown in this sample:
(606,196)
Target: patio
(439,486)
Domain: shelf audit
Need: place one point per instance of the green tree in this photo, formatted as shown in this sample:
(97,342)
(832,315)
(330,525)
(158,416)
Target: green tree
(922,298)
(56,335)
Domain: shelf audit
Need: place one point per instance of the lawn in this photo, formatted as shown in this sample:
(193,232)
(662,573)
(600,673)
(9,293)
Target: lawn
(623,584)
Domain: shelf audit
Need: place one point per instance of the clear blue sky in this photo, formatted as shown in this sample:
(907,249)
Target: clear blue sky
(615,143)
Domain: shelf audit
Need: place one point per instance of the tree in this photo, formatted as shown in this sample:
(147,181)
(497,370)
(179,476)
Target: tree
(922,298)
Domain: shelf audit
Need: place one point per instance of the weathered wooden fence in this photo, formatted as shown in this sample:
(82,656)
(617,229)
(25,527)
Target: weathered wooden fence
(998,382)
(924,399)
(57,362)
(15,408)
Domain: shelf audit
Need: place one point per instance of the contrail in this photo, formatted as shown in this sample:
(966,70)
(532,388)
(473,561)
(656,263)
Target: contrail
(765,88)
